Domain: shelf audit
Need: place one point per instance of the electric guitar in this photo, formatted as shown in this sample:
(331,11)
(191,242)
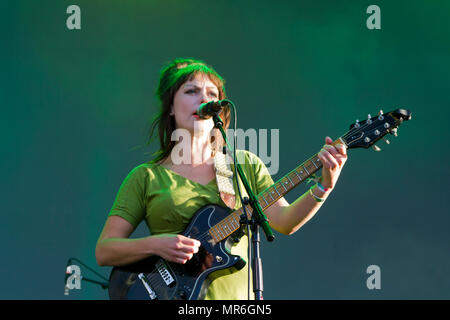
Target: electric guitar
(216,228)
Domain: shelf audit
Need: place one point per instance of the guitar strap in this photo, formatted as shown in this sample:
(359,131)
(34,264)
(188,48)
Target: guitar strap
(224,178)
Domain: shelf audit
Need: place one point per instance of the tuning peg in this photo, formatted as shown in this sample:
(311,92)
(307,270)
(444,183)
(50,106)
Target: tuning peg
(387,141)
(380,115)
(357,125)
(368,119)
(376,148)
(394,132)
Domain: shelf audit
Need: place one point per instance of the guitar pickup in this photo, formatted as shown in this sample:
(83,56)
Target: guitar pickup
(164,272)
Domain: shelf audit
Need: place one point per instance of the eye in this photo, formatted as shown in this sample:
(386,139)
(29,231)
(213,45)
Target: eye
(212,93)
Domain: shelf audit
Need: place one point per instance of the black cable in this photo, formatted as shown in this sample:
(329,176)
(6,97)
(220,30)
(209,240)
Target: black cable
(103,284)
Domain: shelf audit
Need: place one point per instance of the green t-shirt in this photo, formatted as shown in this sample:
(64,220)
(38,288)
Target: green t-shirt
(167,201)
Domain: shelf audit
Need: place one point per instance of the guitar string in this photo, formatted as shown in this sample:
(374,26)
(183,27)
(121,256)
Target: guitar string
(155,278)
(354,129)
(206,234)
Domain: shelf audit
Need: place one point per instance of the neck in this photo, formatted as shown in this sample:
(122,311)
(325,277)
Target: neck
(200,149)
(193,151)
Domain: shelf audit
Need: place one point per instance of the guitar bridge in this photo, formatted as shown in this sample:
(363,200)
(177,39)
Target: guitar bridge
(150,291)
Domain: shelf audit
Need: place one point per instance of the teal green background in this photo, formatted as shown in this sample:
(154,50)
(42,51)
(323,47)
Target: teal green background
(76,107)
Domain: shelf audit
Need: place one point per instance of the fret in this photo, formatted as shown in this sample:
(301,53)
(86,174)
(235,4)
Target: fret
(216,231)
(290,180)
(261,204)
(220,233)
(284,186)
(237,216)
(234,224)
(230,224)
(262,196)
(311,164)
(276,190)
(314,163)
(225,227)
(306,170)
(213,234)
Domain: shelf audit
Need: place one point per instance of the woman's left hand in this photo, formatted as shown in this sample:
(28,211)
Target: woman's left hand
(333,159)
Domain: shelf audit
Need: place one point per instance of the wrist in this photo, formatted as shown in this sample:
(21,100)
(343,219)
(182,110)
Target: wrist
(151,245)
(322,188)
(318,194)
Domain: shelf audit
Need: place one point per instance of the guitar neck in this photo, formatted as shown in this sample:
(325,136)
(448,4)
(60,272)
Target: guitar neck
(269,196)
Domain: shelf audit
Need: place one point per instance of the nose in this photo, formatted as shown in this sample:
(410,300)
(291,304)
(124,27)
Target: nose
(204,97)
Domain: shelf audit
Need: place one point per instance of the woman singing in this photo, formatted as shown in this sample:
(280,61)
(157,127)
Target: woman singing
(166,192)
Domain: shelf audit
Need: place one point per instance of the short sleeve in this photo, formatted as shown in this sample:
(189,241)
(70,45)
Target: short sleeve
(130,199)
(263,179)
(255,169)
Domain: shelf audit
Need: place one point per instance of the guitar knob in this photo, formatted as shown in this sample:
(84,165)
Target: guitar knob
(376,148)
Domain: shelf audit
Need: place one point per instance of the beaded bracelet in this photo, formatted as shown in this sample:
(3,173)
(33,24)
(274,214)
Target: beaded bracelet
(322,188)
(318,199)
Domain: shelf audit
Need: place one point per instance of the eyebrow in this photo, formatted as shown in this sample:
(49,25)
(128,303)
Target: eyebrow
(197,87)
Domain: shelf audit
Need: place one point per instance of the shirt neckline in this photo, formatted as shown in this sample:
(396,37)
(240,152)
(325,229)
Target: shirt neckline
(186,178)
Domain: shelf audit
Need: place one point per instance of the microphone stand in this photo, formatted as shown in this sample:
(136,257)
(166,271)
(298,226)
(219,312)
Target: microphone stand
(258,219)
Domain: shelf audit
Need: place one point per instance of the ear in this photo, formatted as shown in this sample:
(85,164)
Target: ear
(171,111)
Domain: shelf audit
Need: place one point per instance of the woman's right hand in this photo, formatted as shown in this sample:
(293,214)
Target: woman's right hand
(175,248)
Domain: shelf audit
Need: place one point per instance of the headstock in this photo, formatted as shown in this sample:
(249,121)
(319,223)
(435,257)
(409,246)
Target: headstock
(364,134)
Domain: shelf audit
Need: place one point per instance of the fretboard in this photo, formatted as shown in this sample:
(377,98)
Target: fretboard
(231,223)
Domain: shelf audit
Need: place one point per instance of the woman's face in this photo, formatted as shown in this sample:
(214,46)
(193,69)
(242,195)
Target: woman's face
(186,101)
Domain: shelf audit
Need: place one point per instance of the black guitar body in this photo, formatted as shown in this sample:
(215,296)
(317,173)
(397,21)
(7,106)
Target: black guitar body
(155,278)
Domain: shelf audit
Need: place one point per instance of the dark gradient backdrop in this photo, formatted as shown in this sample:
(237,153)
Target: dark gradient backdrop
(76,106)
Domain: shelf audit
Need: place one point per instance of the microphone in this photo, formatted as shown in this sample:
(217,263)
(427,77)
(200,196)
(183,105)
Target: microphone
(212,108)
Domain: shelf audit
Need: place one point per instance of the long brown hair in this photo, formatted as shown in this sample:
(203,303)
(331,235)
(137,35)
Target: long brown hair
(172,77)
